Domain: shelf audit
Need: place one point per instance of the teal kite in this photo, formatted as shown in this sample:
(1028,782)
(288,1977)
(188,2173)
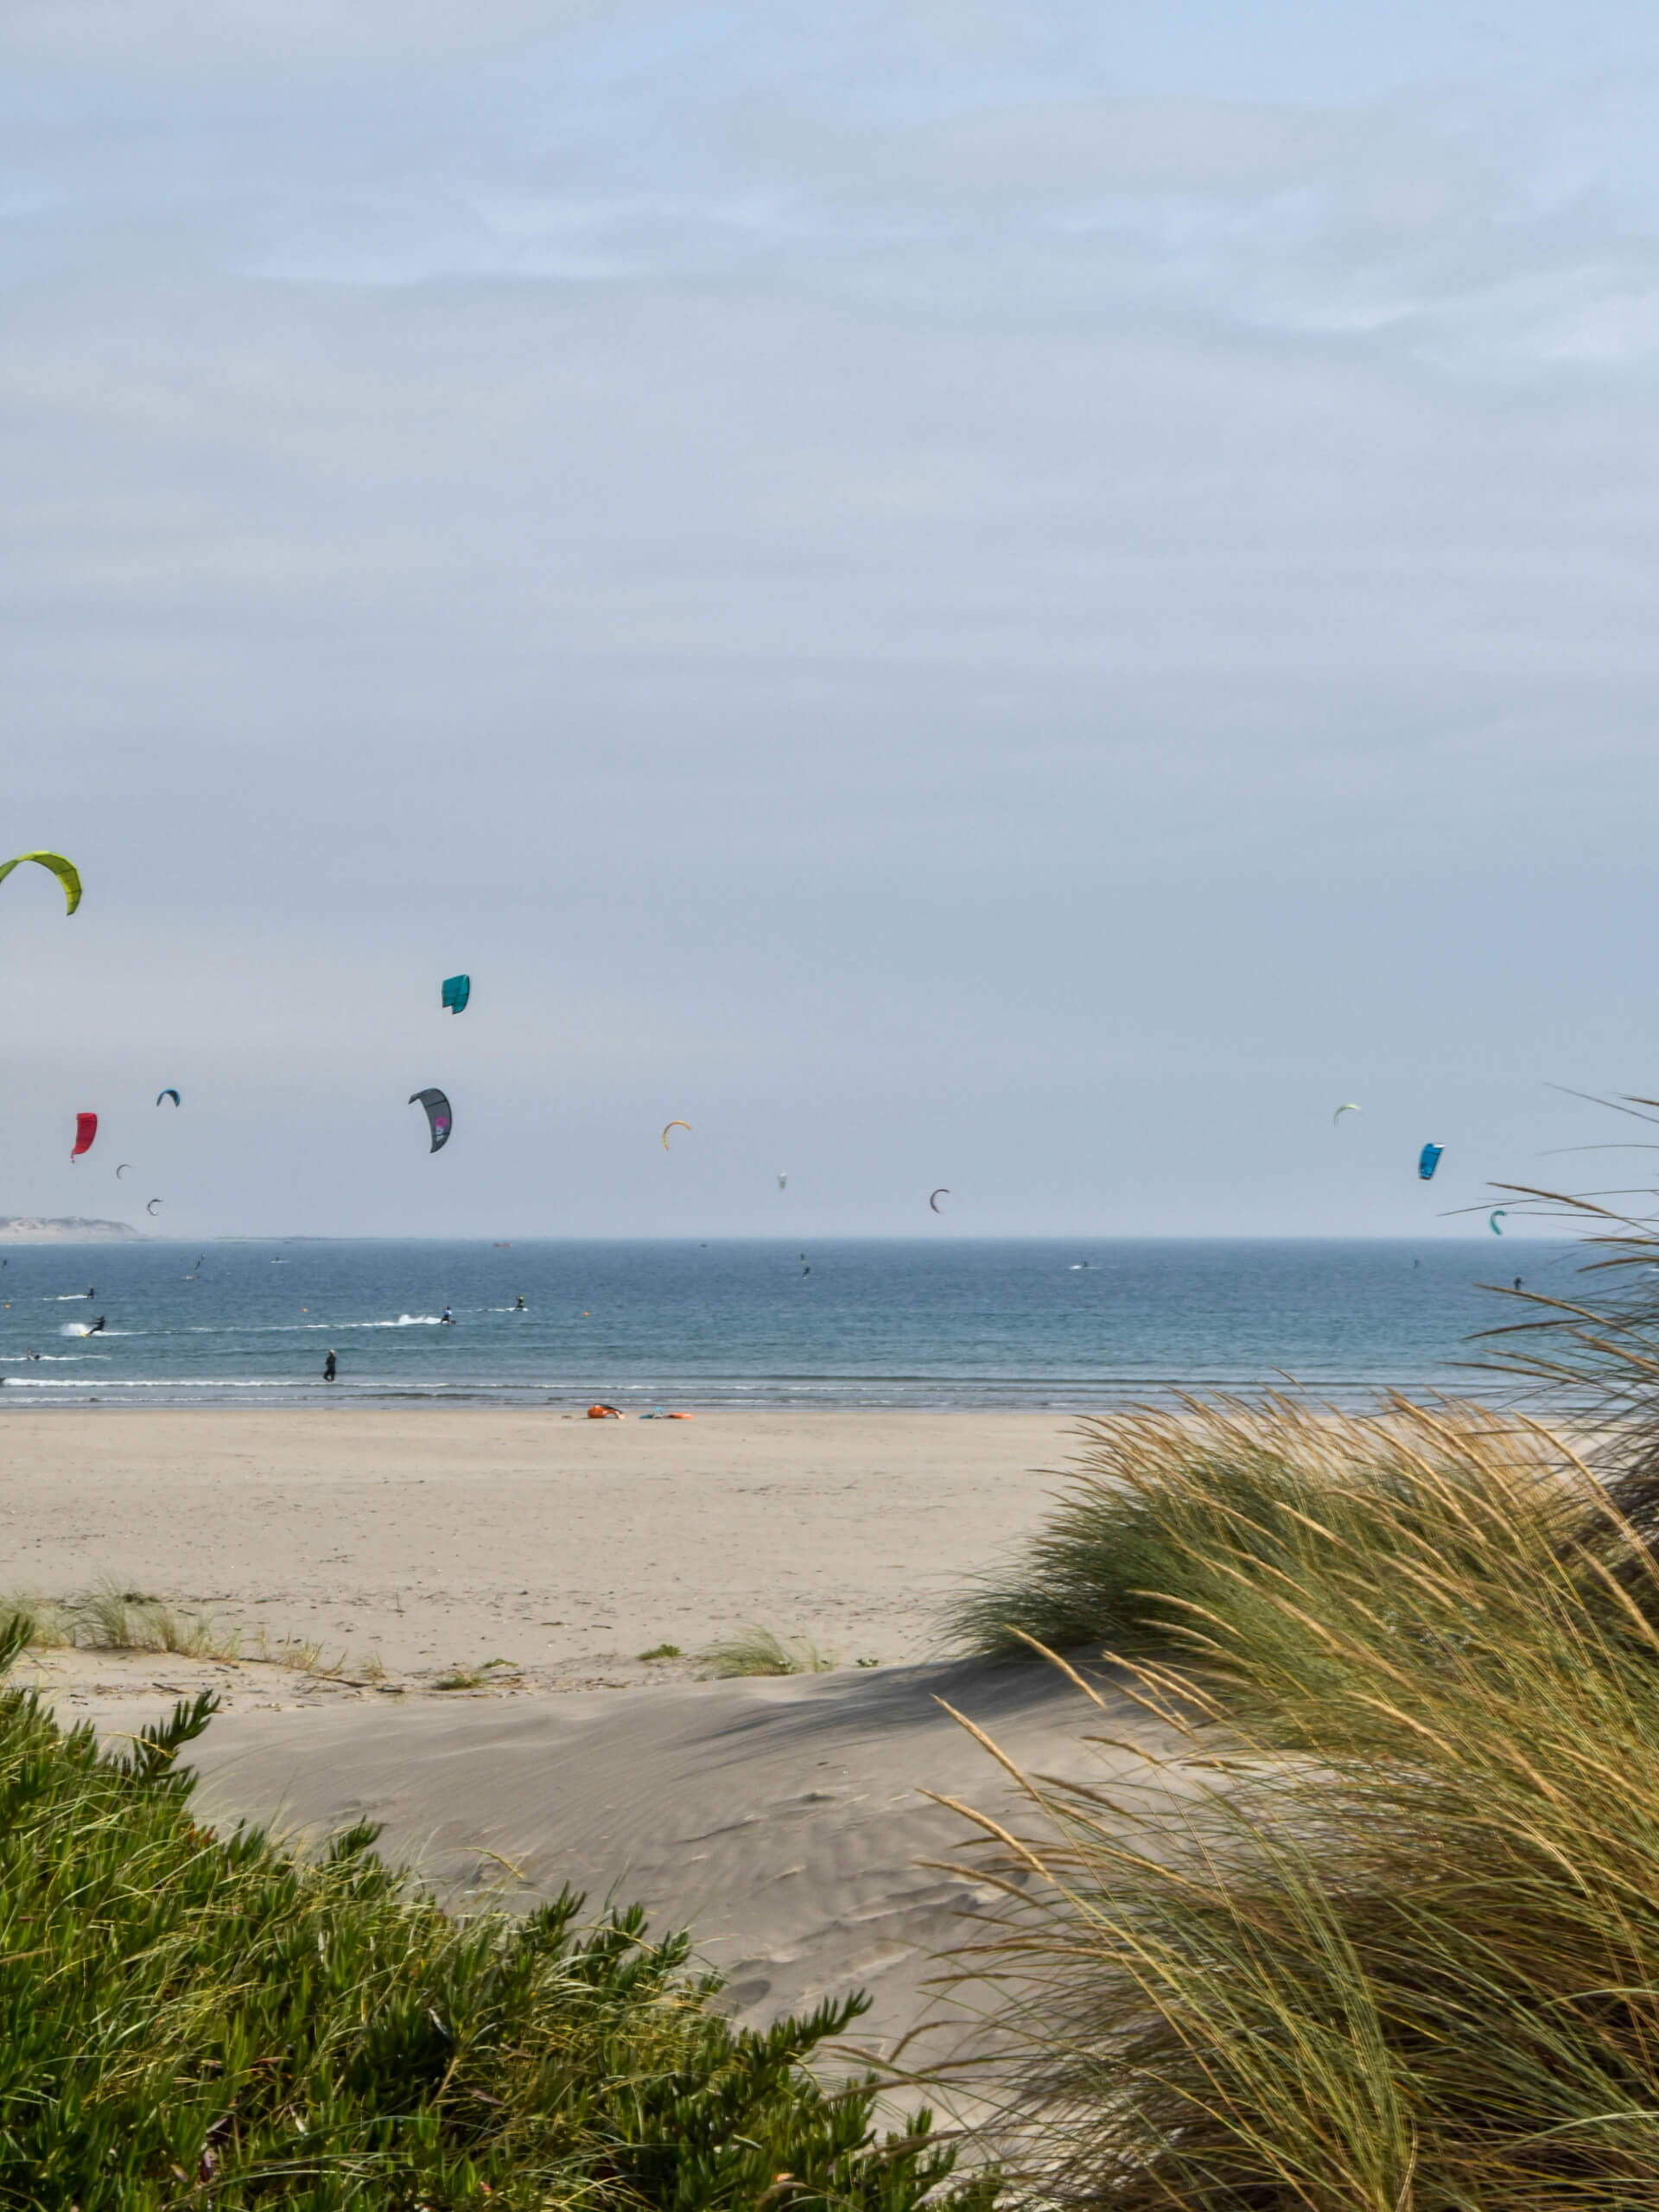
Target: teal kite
(1498,1216)
(168,1093)
(65,871)
(1428,1160)
(457,989)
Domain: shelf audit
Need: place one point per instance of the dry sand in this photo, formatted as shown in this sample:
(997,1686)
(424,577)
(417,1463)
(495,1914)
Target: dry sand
(780,1820)
(433,1538)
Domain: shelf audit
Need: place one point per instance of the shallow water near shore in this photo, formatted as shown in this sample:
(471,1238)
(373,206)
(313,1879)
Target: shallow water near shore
(1040,1324)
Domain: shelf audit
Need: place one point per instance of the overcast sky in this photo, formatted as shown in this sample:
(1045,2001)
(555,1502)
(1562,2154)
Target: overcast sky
(1019,594)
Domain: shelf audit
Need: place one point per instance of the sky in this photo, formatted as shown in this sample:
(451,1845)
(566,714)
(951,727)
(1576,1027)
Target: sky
(1021,596)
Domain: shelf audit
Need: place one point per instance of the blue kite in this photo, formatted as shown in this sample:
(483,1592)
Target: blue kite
(457,989)
(1428,1160)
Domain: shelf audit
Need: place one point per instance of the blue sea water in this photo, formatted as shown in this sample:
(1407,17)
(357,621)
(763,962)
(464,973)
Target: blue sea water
(1061,1325)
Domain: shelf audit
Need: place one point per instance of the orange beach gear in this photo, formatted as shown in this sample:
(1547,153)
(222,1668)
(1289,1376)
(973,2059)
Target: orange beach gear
(604,1412)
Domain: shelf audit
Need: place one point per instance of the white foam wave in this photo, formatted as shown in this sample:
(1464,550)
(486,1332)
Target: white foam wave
(158,1383)
(300,1328)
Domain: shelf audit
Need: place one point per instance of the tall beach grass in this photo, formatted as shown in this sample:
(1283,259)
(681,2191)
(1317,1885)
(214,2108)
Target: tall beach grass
(1385,1932)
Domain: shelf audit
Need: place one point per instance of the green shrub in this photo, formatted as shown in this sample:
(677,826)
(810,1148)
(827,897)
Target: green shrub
(187,2020)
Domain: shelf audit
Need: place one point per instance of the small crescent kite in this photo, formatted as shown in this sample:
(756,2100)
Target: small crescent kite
(944,1191)
(1428,1160)
(65,872)
(151,1207)
(686,1126)
(1349,1108)
(1497,1215)
(440,1120)
(123,1168)
(168,1093)
(85,1130)
(457,989)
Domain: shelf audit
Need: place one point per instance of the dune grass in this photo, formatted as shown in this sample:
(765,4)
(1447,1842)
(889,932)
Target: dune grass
(110,1618)
(1168,1511)
(760,1651)
(193,2022)
(1385,1934)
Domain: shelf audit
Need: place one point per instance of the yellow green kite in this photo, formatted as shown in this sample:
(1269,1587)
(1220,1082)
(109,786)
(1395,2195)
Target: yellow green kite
(64,870)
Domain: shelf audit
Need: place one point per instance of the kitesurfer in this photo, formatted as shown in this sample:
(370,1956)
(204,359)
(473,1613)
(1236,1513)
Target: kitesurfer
(448,1316)
(97,1326)
(328,1369)
(30,1353)
(520,1308)
(92,1292)
(1518,1283)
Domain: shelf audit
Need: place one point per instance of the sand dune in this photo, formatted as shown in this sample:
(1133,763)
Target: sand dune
(781,1820)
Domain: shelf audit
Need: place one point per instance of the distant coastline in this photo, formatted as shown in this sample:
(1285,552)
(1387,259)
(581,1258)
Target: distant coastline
(62,1228)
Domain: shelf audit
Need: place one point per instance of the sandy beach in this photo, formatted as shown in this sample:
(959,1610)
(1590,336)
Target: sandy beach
(431,1538)
(782,1820)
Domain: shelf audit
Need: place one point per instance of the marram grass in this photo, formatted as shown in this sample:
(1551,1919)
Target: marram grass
(1384,1936)
(1166,1511)
(757,1652)
(192,2021)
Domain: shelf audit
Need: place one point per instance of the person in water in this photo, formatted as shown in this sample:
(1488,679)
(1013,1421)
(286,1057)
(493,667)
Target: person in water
(448,1316)
(328,1366)
(96,1326)
(30,1353)
(92,1292)
(520,1306)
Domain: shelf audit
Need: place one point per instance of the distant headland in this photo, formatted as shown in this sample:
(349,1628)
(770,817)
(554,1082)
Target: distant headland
(61,1229)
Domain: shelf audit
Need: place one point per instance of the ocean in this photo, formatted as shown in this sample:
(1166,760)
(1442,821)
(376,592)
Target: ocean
(1067,1326)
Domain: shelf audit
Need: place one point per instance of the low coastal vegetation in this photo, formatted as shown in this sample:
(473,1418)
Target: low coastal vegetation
(1382,1930)
(112,1619)
(760,1651)
(193,2020)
